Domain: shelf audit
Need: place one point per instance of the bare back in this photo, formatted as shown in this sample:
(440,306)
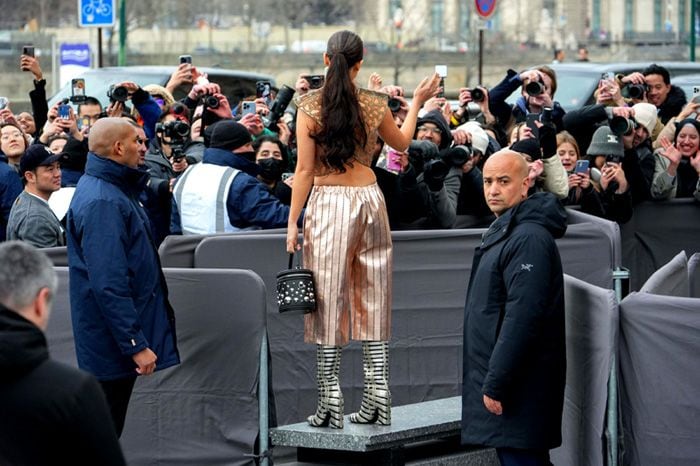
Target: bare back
(373,106)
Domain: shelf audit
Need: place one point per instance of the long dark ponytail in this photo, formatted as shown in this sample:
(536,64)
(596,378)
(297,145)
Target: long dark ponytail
(342,130)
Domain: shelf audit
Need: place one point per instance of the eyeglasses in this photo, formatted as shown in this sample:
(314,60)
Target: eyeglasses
(430,129)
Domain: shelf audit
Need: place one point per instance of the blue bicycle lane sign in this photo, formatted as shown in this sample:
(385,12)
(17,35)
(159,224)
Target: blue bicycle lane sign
(96,13)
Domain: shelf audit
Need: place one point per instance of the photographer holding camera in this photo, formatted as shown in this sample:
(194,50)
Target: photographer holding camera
(655,81)
(538,88)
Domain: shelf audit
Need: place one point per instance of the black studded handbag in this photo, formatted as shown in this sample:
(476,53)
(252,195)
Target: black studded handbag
(296,293)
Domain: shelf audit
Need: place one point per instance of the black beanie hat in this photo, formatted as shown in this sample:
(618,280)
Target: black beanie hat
(528,146)
(227,135)
(74,155)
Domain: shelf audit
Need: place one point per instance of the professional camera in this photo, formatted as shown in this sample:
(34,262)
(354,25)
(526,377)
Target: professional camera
(622,126)
(210,101)
(477,94)
(178,133)
(457,155)
(284,96)
(472,112)
(534,88)
(117,93)
(635,91)
(394,105)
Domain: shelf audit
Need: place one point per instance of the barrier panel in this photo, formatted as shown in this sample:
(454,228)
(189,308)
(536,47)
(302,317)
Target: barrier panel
(657,232)
(694,275)
(591,342)
(431,274)
(659,379)
(204,411)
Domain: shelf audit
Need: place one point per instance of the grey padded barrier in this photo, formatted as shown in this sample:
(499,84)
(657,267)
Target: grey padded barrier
(694,275)
(205,410)
(591,341)
(657,232)
(659,379)
(431,273)
(671,279)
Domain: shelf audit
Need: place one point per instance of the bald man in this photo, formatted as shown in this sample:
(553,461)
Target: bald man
(514,349)
(122,322)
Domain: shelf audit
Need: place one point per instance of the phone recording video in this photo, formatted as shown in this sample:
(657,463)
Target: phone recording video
(186,59)
(248,107)
(78,90)
(263,89)
(64,111)
(441,71)
(28,50)
(581,166)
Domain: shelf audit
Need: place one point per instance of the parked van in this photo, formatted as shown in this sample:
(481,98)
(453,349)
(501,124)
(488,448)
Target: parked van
(235,85)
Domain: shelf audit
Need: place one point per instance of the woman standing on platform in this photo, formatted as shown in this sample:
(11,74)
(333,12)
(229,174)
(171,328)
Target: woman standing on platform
(347,241)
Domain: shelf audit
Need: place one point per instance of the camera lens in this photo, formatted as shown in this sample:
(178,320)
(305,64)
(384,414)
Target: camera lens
(118,94)
(181,128)
(477,95)
(636,91)
(394,105)
(534,88)
(211,101)
(458,155)
(622,126)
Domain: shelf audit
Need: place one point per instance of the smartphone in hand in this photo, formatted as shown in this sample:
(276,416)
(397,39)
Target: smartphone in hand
(581,166)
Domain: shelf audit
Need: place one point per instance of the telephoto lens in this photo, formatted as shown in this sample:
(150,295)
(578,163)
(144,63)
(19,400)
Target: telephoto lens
(622,126)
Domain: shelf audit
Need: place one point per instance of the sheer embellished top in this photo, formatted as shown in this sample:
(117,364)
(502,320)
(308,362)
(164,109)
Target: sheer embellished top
(373,106)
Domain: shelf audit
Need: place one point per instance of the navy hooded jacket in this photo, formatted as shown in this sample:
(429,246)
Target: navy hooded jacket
(119,300)
(514,346)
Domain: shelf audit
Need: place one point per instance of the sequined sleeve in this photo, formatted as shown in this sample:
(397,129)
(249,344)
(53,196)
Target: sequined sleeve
(310,103)
(374,107)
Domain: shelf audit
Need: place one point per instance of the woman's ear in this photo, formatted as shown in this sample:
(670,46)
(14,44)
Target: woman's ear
(326,59)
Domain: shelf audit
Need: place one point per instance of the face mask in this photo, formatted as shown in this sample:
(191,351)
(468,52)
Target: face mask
(270,169)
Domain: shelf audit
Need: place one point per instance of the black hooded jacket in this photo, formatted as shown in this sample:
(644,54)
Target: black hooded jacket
(672,106)
(514,345)
(50,413)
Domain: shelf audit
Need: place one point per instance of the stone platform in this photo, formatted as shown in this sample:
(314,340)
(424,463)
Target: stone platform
(424,433)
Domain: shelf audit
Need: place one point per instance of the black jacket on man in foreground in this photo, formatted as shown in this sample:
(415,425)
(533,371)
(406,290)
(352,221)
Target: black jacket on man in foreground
(50,413)
(514,345)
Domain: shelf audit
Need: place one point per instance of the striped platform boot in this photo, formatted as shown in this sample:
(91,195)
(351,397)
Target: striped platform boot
(329,410)
(376,397)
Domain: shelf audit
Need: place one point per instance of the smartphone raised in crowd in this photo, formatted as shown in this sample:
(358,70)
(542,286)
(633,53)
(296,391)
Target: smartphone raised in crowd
(186,59)
(441,71)
(581,166)
(263,90)
(28,50)
(248,107)
(4,101)
(78,90)
(392,161)
(64,111)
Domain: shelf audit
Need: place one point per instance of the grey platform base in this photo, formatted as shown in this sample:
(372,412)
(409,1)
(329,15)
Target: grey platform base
(421,434)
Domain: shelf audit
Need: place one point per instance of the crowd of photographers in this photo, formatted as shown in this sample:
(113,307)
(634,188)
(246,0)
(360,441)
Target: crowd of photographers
(216,168)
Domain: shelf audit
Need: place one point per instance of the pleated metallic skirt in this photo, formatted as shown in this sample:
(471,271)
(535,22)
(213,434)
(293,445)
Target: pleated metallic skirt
(347,245)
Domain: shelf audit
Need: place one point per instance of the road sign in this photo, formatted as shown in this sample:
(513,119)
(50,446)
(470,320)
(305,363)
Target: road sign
(485,8)
(96,13)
